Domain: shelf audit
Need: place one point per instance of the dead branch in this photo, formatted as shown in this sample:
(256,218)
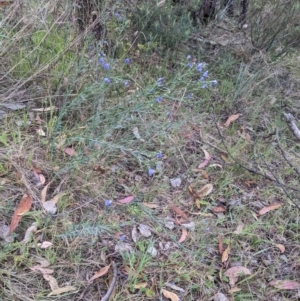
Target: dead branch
(113,282)
(297,170)
(292,124)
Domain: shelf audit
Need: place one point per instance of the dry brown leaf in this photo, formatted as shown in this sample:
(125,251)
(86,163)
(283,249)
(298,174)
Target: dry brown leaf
(220,241)
(285,284)
(56,198)
(62,290)
(70,151)
(170,295)
(40,132)
(225,254)
(231,119)
(29,231)
(179,212)
(141,285)
(269,208)
(206,160)
(219,209)
(204,174)
(53,108)
(239,228)
(100,273)
(134,234)
(234,290)
(44,193)
(234,272)
(23,207)
(206,190)
(126,200)
(151,205)
(183,235)
(45,244)
(42,179)
(52,281)
(41,269)
(280,247)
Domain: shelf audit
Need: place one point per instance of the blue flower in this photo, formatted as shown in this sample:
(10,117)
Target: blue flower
(204,86)
(122,237)
(213,83)
(107,80)
(101,60)
(151,90)
(188,96)
(189,65)
(188,57)
(118,16)
(160,81)
(127,61)
(108,203)
(205,74)
(126,83)
(201,79)
(151,172)
(159,155)
(106,66)
(159,99)
(200,67)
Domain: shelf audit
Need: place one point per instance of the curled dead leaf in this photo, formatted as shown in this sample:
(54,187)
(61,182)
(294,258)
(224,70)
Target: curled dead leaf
(179,212)
(231,119)
(225,254)
(23,207)
(234,272)
(220,241)
(126,200)
(70,151)
(206,160)
(183,235)
(280,247)
(219,209)
(100,273)
(285,284)
(206,190)
(170,295)
(269,208)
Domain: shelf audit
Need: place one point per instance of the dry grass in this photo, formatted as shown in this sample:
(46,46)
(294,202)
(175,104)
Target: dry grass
(54,66)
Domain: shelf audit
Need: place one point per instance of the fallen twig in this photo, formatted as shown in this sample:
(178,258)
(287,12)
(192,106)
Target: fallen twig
(297,170)
(292,124)
(113,282)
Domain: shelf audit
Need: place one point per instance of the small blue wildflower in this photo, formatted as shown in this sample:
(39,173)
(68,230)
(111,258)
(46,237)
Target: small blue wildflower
(160,81)
(91,47)
(101,60)
(102,54)
(207,229)
(188,96)
(118,16)
(151,172)
(122,237)
(159,99)
(213,83)
(204,86)
(108,203)
(126,83)
(200,67)
(107,80)
(189,65)
(188,57)
(106,66)
(205,74)
(159,155)
(127,61)
(151,90)
(201,79)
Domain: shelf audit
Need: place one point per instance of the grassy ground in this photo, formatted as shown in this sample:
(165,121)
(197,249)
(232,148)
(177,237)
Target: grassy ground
(90,123)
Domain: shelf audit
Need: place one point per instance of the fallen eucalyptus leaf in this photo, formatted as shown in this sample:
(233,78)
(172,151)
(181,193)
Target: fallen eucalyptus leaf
(144,230)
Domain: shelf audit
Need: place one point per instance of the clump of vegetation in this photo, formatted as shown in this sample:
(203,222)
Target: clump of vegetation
(147,156)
